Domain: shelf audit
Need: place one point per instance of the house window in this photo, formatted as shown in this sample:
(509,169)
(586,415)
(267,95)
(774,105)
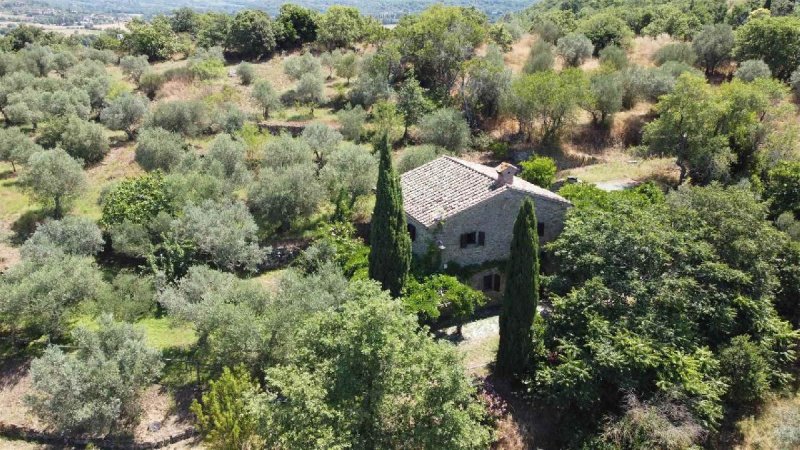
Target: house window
(473,238)
(540,228)
(491,283)
(412,231)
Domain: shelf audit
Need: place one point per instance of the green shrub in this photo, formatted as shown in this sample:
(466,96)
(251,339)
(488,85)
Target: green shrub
(246,73)
(540,58)
(681,52)
(129,297)
(207,69)
(539,170)
(224,417)
(614,56)
(150,82)
(137,200)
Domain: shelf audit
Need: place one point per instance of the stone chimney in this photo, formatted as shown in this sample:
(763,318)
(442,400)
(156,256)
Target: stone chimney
(505,174)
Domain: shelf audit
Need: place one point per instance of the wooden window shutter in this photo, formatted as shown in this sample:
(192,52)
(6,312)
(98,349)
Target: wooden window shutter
(481,238)
(463,241)
(487,283)
(496,282)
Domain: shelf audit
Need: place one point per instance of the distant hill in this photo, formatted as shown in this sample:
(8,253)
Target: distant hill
(389,11)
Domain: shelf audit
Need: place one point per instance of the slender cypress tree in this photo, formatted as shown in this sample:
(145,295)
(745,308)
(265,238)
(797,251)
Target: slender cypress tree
(521,295)
(390,254)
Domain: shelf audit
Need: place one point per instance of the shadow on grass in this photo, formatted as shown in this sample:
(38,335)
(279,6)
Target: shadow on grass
(13,369)
(8,174)
(536,424)
(24,227)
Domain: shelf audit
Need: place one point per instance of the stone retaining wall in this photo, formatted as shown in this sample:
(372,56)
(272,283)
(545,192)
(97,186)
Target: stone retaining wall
(17,432)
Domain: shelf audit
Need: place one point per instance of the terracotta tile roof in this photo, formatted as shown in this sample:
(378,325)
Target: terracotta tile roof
(447,185)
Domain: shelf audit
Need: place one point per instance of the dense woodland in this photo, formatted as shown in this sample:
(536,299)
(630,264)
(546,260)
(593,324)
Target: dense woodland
(204,210)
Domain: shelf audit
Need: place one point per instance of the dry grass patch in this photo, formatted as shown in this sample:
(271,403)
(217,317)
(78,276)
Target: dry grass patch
(776,428)
(644,48)
(516,57)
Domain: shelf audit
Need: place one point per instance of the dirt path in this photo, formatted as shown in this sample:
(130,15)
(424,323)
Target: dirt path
(9,255)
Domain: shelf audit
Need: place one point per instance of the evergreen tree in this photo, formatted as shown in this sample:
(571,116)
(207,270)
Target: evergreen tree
(390,256)
(521,295)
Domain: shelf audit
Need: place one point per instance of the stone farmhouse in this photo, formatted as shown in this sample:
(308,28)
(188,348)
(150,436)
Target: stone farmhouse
(466,212)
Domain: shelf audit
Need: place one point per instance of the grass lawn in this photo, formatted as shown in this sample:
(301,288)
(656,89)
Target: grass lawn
(271,280)
(161,333)
(638,170)
(13,202)
(479,354)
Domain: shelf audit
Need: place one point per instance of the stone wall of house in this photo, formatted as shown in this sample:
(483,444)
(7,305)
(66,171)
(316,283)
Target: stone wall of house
(495,217)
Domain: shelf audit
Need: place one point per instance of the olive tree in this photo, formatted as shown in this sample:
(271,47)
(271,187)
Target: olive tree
(125,113)
(285,151)
(134,66)
(226,158)
(246,73)
(346,66)
(38,294)
(548,99)
(159,149)
(540,58)
(266,98)
(309,90)
(281,196)
(297,66)
(222,231)
(604,97)
(575,48)
(150,82)
(752,69)
(351,172)
(70,235)
(53,178)
(188,117)
(352,121)
(416,156)
(445,128)
(713,45)
(323,140)
(677,51)
(99,386)
(84,140)
(16,147)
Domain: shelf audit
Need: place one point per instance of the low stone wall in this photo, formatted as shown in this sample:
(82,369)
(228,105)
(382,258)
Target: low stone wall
(295,129)
(17,432)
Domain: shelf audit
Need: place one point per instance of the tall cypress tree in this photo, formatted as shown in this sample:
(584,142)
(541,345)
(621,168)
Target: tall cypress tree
(521,295)
(390,254)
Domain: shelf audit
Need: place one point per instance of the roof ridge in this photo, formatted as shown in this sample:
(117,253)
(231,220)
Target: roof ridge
(468,165)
